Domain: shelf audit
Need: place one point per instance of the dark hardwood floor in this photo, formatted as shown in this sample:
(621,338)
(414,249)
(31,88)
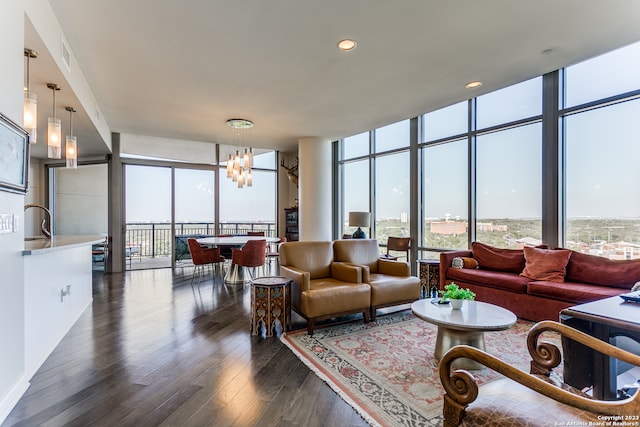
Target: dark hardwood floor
(152,352)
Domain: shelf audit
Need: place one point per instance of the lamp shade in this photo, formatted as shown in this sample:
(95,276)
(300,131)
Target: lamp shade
(359,219)
(31,115)
(71,150)
(54,140)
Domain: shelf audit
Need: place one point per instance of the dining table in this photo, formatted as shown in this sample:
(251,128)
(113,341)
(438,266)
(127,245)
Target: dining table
(235,274)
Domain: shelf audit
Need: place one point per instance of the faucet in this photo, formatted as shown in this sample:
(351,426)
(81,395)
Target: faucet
(47,221)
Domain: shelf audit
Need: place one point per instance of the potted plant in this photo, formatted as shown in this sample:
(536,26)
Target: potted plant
(456,295)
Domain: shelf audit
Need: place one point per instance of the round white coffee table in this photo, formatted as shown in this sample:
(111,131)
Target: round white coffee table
(464,326)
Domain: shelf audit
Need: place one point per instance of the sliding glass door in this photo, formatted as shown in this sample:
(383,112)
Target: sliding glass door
(148,235)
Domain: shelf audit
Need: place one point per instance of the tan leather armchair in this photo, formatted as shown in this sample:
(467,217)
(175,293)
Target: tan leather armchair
(322,289)
(391,281)
(535,399)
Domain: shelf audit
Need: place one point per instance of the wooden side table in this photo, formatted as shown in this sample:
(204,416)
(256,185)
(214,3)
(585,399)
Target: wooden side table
(270,306)
(429,272)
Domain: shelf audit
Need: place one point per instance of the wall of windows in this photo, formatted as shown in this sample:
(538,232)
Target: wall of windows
(602,145)
(389,197)
(481,165)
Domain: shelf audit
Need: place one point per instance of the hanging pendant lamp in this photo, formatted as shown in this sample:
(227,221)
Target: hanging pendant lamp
(71,147)
(239,166)
(54,129)
(30,115)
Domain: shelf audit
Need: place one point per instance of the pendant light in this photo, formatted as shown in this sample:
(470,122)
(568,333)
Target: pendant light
(30,115)
(239,166)
(54,129)
(71,147)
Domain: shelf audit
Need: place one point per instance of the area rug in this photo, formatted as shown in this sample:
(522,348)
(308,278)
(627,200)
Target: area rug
(386,369)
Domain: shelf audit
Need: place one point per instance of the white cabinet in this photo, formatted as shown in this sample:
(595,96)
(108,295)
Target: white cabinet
(48,314)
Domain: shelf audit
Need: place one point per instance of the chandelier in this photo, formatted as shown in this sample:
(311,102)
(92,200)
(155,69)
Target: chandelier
(239,165)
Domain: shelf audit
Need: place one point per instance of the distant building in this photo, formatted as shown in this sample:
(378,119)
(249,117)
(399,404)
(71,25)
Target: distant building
(448,227)
(527,241)
(489,226)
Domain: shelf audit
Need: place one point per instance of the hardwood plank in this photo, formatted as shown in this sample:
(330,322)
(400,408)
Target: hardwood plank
(151,351)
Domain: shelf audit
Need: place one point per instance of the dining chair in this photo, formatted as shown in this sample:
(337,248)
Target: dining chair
(251,255)
(202,256)
(255,233)
(397,244)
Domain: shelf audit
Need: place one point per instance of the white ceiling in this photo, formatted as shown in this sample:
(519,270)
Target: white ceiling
(180,69)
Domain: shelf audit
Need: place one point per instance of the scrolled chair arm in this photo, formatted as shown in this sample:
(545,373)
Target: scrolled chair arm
(461,388)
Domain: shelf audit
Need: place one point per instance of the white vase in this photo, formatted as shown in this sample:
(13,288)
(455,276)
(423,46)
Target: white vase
(456,304)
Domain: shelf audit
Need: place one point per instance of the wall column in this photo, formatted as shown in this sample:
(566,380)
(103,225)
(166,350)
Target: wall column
(314,188)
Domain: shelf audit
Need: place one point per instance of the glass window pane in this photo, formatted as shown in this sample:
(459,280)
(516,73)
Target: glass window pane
(444,197)
(392,196)
(396,135)
(602,203)
(148,215)
(509,189)
(355,146)
(509,104)
(264,159)
(355,191)
(445,122)
(247,207)
(606,75)
(195,201)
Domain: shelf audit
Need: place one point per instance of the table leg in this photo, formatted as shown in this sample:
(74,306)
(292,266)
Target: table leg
(236,275)
(448,338)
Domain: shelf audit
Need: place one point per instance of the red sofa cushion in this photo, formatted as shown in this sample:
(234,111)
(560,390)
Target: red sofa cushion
(492,279)
(587,268)
(499,259)
(577,293)
(545,264)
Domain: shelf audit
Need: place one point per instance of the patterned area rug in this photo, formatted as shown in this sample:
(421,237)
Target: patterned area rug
(386,369)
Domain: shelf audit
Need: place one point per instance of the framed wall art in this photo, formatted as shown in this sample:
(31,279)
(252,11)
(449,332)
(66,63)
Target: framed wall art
(14,156)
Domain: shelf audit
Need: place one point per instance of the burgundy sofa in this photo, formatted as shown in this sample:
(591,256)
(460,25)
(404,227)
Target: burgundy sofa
(497,279)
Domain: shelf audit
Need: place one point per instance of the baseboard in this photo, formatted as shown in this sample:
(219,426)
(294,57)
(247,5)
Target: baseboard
(11,399)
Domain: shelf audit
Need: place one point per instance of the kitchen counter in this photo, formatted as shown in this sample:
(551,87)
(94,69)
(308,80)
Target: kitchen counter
(41,245)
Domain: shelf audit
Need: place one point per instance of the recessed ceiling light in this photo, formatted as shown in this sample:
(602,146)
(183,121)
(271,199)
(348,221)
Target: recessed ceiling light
(473,85)
(347,45)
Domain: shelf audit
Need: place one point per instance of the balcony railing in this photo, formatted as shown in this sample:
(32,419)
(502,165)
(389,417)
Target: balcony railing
(155,239)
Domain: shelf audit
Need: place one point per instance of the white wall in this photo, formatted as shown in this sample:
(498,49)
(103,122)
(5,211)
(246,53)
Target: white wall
(81,203)
(12,368)
(315,185)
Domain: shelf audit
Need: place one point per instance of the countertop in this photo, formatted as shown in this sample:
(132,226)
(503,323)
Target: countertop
(59,242)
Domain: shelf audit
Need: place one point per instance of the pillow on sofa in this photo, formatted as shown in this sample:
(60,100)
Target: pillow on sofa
(546,264)
(585,268)
(491,258)
(464,262)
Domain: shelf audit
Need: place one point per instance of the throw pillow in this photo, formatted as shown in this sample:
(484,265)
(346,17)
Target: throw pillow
(585,268)
(464,262)
(491,258)
(546,264)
